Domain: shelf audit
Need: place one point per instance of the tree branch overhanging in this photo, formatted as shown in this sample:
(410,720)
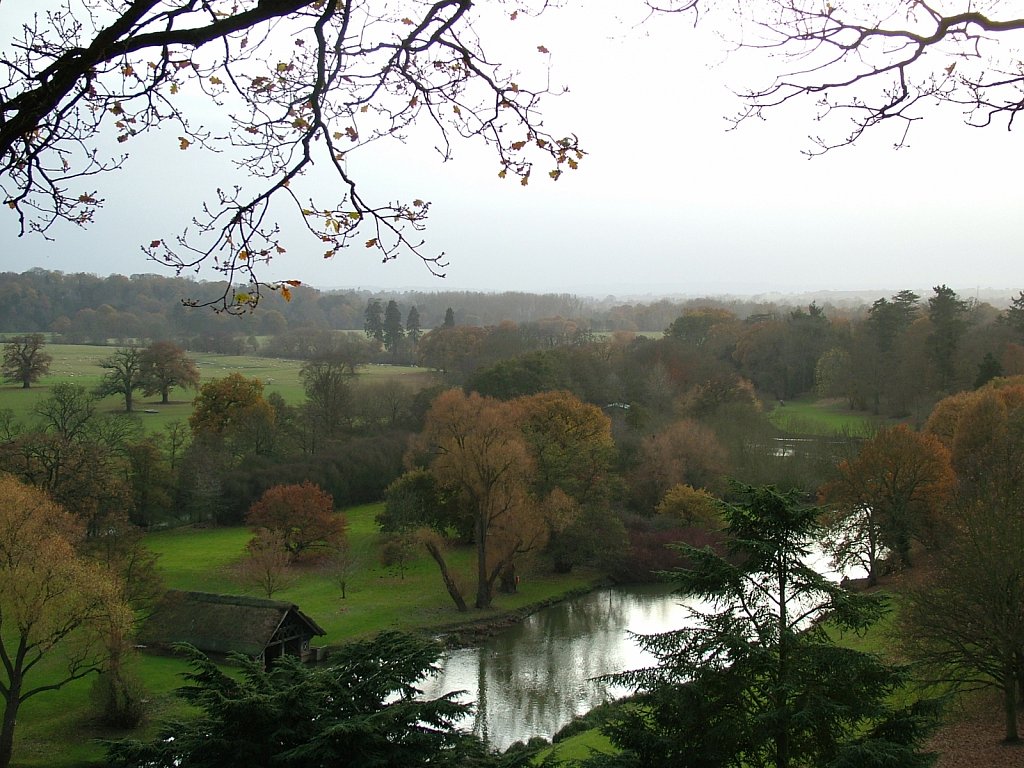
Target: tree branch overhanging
(299,83)
(871,64)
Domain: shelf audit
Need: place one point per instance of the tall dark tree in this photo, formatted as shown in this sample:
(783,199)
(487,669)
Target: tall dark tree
(756,679)
(165,366)
(124,375)
(25,359)
(449,318)
(947,314)
(374,321)
(887,319)
(878,355)
(989,368)
(412,325)
(393,332)
(1014,315)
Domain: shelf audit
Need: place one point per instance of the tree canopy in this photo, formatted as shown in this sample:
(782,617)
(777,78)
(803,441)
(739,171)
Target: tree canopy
(965,624)
(303,514)
(25,359)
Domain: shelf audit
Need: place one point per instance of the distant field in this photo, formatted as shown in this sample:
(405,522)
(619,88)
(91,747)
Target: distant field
(79,364)
(821,417)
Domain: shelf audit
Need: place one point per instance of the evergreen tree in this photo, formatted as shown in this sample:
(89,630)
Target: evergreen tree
(413,331)
(392,331)
(374,324)
(988,369)
(1014,315)
(361,712)
(755,679)
(449,318)
(946,312)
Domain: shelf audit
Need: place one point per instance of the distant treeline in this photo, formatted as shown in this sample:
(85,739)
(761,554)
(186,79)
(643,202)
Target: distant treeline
(85,308)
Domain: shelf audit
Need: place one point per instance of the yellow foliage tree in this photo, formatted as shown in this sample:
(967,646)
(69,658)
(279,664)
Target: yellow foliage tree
(53,603)
(693,506)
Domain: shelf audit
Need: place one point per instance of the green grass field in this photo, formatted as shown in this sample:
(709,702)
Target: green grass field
(811,416)
(80,364)
(55,730)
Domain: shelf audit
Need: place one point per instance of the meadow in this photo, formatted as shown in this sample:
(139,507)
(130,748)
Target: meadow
(813,416)
(80,364)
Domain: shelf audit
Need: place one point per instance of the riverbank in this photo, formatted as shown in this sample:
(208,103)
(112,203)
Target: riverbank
(473,630)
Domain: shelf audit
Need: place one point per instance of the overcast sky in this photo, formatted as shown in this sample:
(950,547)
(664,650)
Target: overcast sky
(666,202)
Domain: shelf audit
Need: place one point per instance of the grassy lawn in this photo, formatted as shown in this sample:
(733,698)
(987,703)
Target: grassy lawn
(810,416)
(578,747)
(79,364)
(55,730)
(377,597)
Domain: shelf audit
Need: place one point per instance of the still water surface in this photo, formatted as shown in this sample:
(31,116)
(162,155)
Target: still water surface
(534,677)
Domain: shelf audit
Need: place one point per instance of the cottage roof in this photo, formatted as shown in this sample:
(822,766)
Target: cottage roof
(222,623)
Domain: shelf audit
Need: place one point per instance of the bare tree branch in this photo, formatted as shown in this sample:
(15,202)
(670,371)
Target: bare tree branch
(298,82)
(866,63)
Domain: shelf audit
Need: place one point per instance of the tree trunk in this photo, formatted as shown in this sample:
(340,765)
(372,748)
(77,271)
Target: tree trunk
(165,396)
(11,704)
(1009,708)
(483,583)
(449,582)
(509,581)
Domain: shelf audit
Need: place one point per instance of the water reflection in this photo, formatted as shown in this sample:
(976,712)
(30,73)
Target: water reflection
(534,677)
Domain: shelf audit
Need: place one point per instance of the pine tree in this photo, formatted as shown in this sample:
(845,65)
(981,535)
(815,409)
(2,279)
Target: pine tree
(374,324)
(413,331)
(392,331)
(756,679)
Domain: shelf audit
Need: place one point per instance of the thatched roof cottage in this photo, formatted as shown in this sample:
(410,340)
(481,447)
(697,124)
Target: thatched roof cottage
(222,624)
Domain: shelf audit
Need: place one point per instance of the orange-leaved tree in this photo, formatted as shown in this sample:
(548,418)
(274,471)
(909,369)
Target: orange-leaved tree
(233,409)
(57,609)
(685,452)
(893,491)
(965,625)
(479,451)
(302,514)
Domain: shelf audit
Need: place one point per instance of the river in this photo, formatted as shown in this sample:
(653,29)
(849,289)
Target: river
(534,677)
